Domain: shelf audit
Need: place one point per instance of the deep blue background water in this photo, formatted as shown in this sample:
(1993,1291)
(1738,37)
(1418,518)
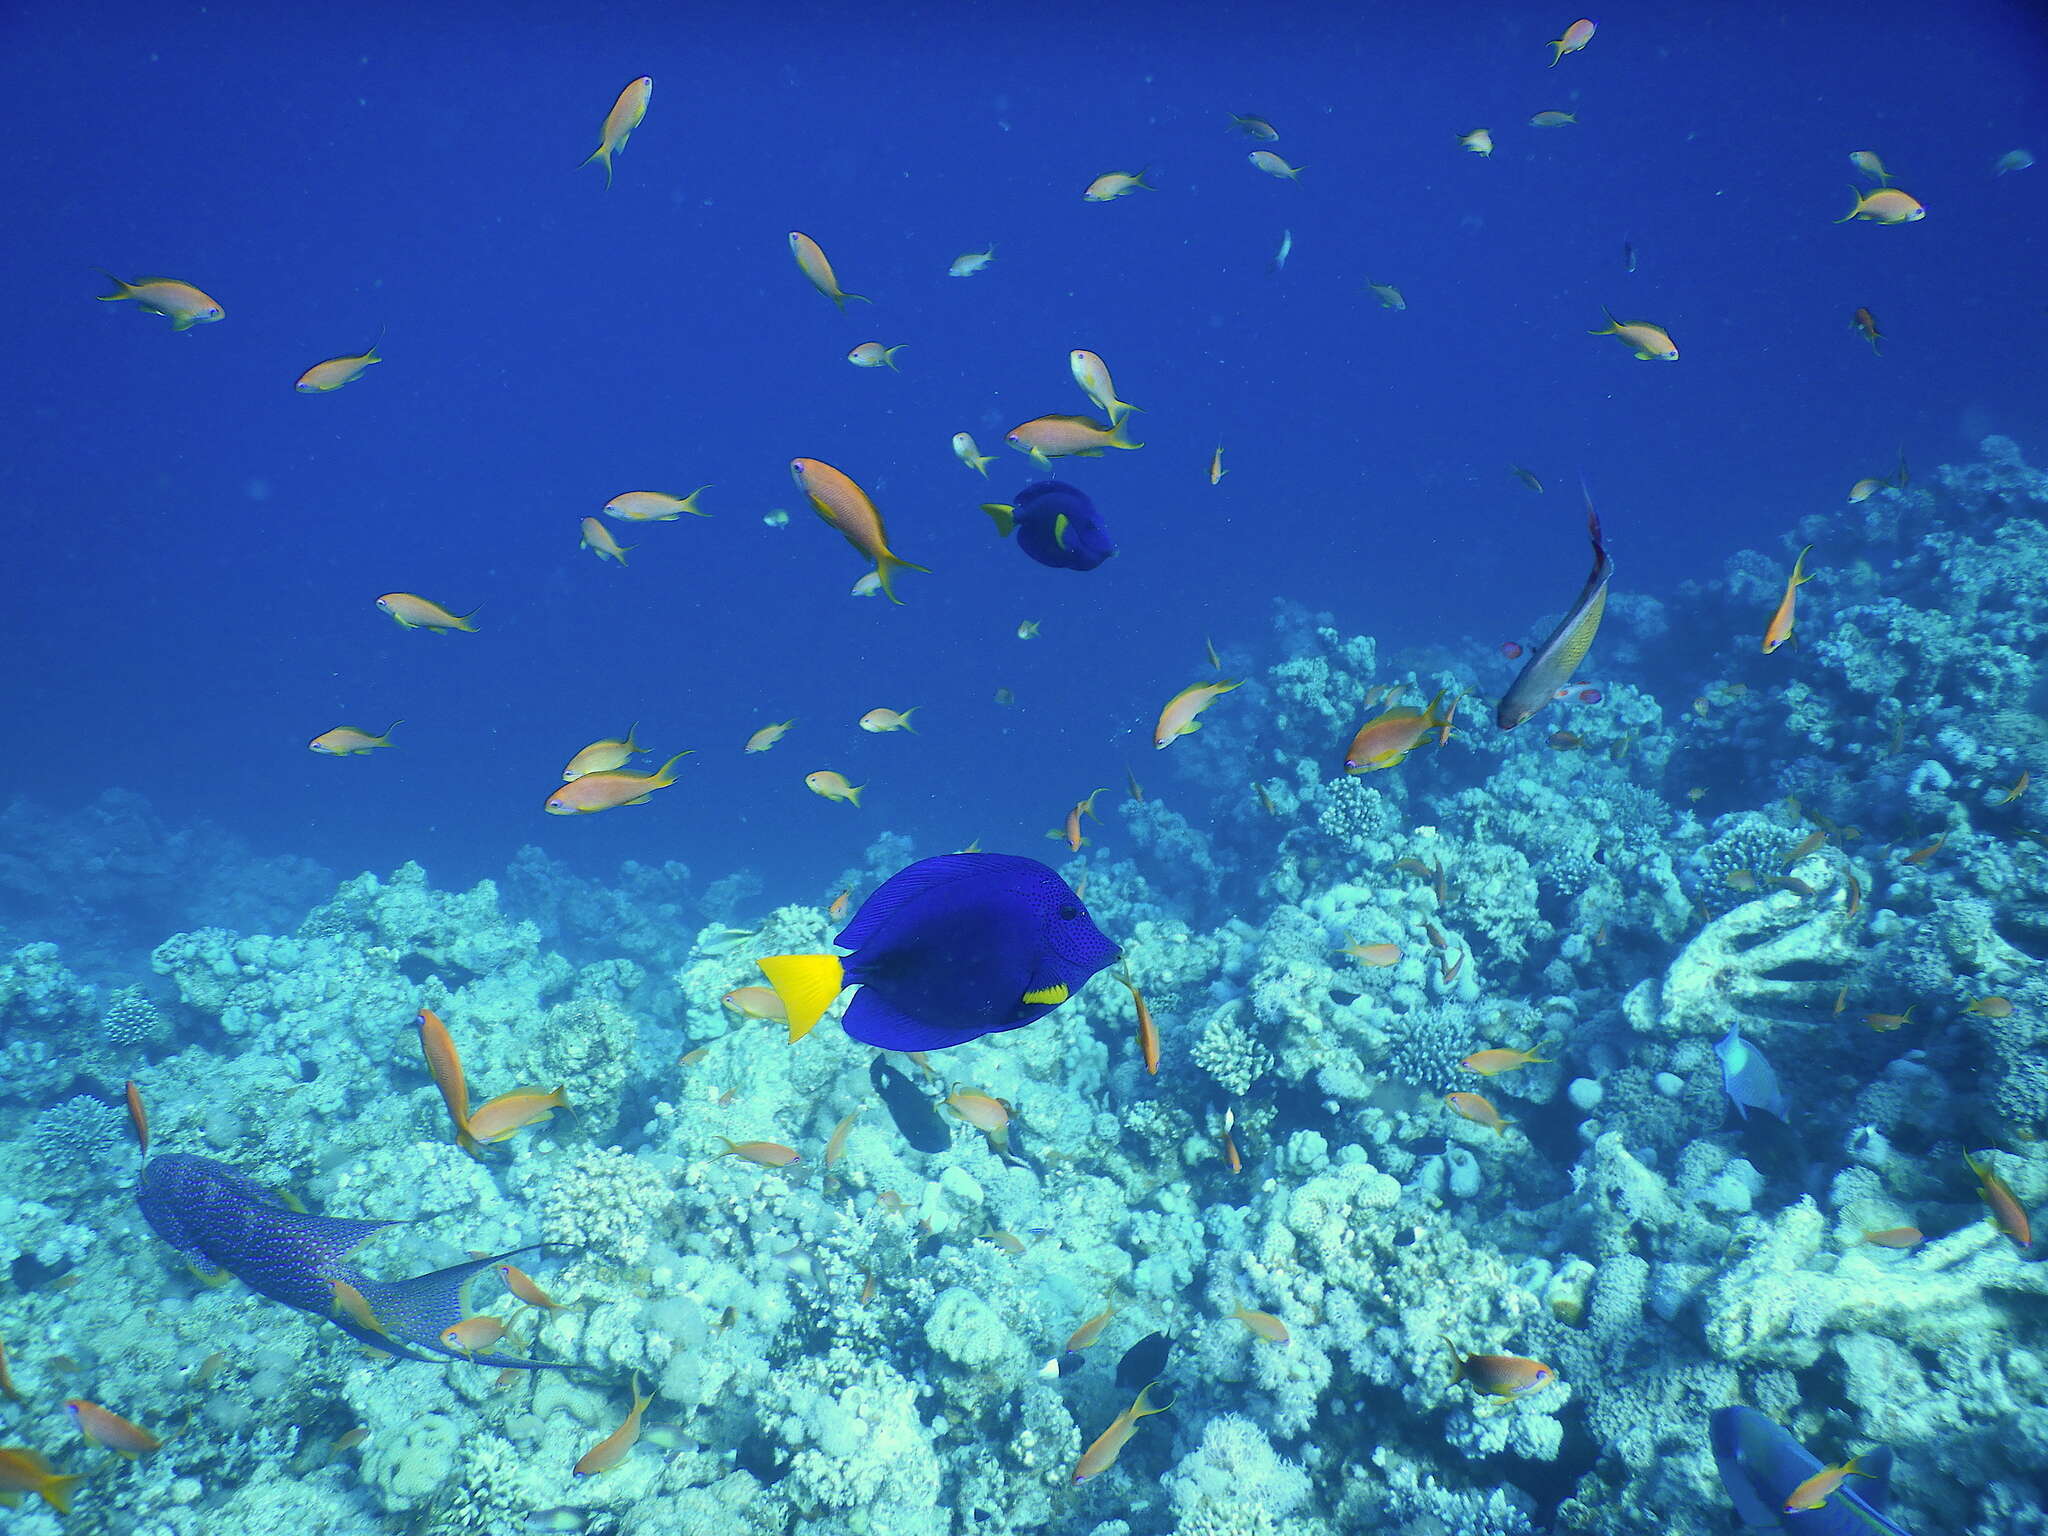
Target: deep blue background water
(196,548)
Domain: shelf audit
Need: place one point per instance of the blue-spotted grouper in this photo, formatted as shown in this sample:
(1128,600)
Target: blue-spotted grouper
(221,1218)
(1761,1466)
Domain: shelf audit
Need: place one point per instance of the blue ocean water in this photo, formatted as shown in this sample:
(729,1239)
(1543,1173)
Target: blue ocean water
(198,549)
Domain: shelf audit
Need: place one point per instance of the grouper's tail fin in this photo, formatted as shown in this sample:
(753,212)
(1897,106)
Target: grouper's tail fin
(416,1312)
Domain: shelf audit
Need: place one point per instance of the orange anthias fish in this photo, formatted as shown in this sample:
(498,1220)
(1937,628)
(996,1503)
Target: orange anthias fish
(1479,1110)
(1576,36)
(25,1471)
(847,508)
(1499,1375)
(619,123)
(1373,954)
(350,741)
(1045,438)
(103,1427)
(1865,325)
(444,1064)
(1148,1032)
(655,506)
(1089,1331)
(325,378)
(1895,1237)
(607,791)
(767,736)
(1779,630)
(2019,787)
(470,1334)
(1494,1062)
(139,1117)
(2007,1213)
(812,262)
(1178,718)
(769,1154)
(522,1285)
(1264,1324)
(7,1387)
(1385,740)
(1814,1492)
(756,1003)
(599,541)
(1102,1455)
(502,1118)
(835,1146)
(613,1448)
(411,611)
(1650,343)
(180,303)
(603,756)
(1070,832)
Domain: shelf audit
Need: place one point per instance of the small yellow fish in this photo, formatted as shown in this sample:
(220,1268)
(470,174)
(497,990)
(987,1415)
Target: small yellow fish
(1102,1454)
(607,791)
(1864,489)
(872,354)
(890,719)
(101,1426)
(810,260)
(1867,162)
(1651,343)
(1255,128)
(470,1334)
(967,453)
(348,740)
(1273,165)
(2019,787)
(767,736)
(833,786)
(325,378)
(1576,36)
(619,123)
(1178,718)
(1479,141)
(1498,1060)
(1887,205)
(1052,437)
(182,304)
(599,541)
(1479,1110)
(1389,296)
(1814,1492)
(1092,374)
(411,611)
(1552,119)
(1264,1324)
(1107,187)
(603,756)
(971,262)
(1216,469)
(654,506)
(1028,630)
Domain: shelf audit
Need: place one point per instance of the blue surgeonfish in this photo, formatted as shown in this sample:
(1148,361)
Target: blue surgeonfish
(948,950)
(1748,1077)
(221,1218)
(1056,525)
(1762,1465)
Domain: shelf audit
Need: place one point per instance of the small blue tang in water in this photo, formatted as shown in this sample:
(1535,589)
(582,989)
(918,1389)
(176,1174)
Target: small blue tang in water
(1056,525)
(948,950)
(1762,1465)
(1748,1077)
(221,1218)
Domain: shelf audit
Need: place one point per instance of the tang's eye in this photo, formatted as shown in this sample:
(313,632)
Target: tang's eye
(1069,912)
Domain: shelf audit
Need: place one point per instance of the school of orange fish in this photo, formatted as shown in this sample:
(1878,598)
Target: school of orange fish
(598,776)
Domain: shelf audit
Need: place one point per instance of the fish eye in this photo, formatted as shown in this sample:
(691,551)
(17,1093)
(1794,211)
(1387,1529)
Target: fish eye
(1069,912)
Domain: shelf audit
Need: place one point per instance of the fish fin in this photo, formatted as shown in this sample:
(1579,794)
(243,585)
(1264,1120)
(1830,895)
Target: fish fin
(1877,1466)
(126,289)
(1002,514)
(1053,995)
(807,984)
(602,154)
(886,567)
(1857,193)
(415,1312)
(841,297)
(56,1490)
